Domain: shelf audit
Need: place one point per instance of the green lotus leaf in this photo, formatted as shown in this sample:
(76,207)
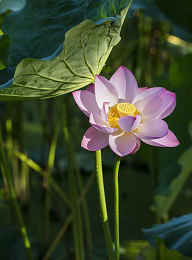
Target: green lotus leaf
(38,29)
(85,51)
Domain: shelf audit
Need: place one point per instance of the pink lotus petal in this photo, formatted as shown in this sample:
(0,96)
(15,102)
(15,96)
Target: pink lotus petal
(86,101)
(170,140)
(91,88)
(126,123)
(151,108)
(125,83)
(137,122)
(143,98)
(94,139)
(152,105)
(149,92)
(169,104)
(122,143)
(136,147)
(159,106)
(105,92)
(97,121)
(129,123)
(153,129)
(122,100)
(104,111)
(141,89)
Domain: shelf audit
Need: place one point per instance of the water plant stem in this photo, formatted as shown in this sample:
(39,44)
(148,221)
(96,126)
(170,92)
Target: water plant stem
(23,230)
(103,207)
(116,207)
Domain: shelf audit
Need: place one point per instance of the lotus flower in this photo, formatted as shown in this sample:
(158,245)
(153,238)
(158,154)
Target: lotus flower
(121,114)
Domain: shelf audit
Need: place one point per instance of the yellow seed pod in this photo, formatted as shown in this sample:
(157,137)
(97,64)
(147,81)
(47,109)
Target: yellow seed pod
(127,109)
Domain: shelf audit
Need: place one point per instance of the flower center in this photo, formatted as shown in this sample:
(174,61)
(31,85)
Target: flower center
(120,110)
(126,109)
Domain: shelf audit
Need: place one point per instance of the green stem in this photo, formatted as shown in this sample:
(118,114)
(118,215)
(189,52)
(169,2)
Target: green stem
(116,207)
(24,178)
(161,252)
(14,201)
(77,221)
(48,176)
(13,162)
(103,207)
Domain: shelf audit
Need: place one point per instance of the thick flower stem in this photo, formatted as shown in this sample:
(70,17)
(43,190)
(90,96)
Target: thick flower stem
(116,207)
(102,201)
(23,230)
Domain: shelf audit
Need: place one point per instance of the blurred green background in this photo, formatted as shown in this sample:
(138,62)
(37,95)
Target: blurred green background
(155,184)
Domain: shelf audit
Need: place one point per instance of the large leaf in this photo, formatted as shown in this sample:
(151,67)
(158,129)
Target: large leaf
(38,29)
(85,51)
(175,234)
(11,5)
